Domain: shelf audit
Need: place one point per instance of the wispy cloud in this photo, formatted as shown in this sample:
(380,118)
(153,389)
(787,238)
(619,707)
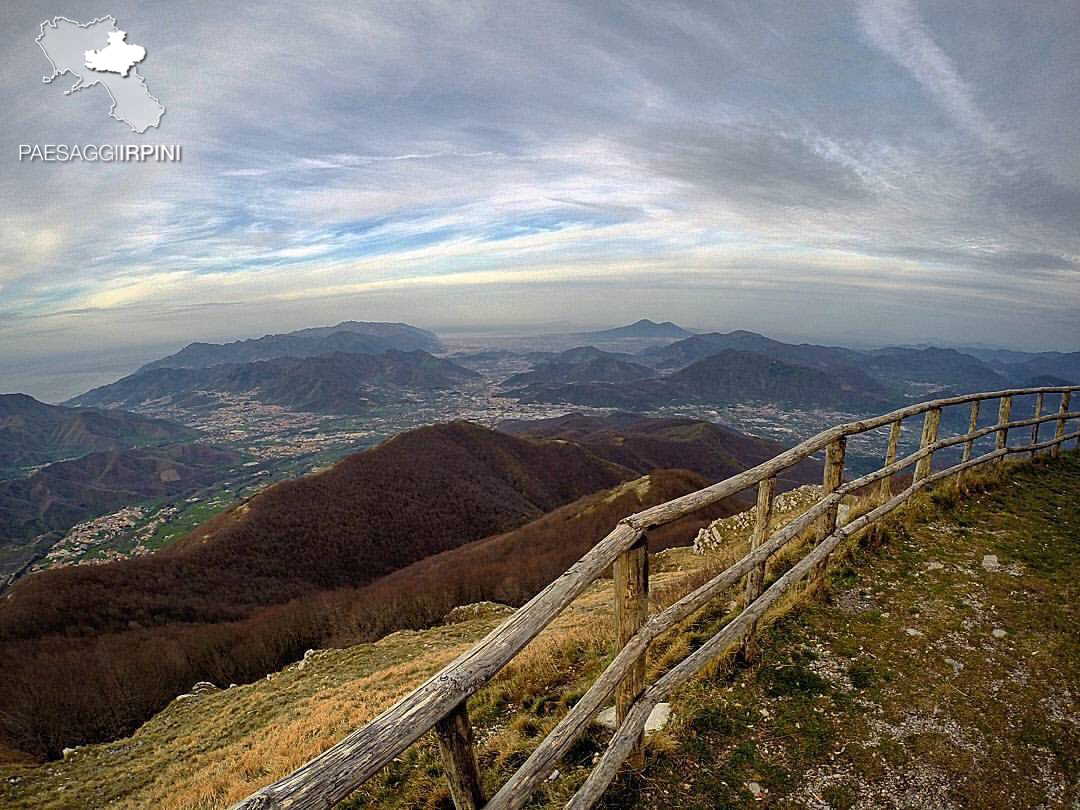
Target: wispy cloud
(897,27)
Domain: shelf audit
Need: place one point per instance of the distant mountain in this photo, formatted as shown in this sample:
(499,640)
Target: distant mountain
(33,433)
(334,383)
(1019,367)
(644,444)
(1045,381)
(36,511)
(1063,366)
(894,369)
(639,329)
(698,347)
(583,364)
(349,336)
(727,377)
(583,354)
(945,367)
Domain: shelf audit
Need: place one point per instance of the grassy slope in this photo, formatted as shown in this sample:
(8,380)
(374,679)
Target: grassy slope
(842,708)
(897,693)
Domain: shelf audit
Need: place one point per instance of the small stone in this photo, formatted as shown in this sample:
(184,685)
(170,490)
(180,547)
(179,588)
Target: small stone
(606,718)
(997,632)
(658,718)
(934,565)
(911,631)
(990,562)
(755,789)
(956,665)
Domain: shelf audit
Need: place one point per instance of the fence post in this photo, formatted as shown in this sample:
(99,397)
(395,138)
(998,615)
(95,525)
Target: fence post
(931,422)
(1059,434)
(890,456)
(831,481)
(631,575)
(755,578)
(1035,428)
(973,425)
(455,735)
(1004,415)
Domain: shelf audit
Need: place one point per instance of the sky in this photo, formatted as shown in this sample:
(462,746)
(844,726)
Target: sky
(861,172)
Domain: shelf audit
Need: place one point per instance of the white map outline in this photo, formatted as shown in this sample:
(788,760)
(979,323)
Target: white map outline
(79,85)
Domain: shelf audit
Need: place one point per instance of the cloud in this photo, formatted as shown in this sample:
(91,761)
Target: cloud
(397,151)
(897,28)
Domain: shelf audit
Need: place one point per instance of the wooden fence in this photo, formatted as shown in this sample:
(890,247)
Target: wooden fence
(440,704)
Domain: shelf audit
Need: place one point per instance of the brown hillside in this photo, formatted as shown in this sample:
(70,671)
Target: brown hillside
(415,495)
(513,566)
(645,444)
(91,652)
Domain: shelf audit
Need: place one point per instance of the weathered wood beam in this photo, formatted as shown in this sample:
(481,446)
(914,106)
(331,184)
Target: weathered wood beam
(973,423)
(755,578)
(631,585)
(457,749)
(832,479)
(1037,425)
(1004,414)
(1063,409)
(762,518)
(679,507)
(890,457)
(931,424)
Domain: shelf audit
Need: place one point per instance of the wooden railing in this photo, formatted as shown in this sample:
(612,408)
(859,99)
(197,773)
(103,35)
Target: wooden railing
(440,704)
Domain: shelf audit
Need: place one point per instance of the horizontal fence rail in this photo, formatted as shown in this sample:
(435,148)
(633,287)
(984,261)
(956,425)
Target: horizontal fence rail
(440,704)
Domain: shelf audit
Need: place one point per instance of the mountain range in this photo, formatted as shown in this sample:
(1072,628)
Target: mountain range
(726,377)
(745,367)
(348,368)
(357,337)
(584,364)
(33,433)
(345,383)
